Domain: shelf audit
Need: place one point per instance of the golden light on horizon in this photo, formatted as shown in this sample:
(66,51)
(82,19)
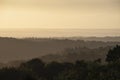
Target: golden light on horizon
(60,14)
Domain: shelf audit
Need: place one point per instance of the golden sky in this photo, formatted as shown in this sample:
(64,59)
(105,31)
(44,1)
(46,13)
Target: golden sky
(60,14)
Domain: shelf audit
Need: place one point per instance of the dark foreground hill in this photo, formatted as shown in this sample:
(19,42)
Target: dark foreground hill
(23,49)
(36,69)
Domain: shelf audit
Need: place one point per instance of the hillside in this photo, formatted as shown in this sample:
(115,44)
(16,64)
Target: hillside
(23,49)
(74,54)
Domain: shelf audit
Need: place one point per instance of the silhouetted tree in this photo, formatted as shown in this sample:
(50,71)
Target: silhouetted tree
(113,54)
(53,69)
(35,66)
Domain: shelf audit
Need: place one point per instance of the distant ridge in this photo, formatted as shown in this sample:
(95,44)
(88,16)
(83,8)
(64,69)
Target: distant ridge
(103,39)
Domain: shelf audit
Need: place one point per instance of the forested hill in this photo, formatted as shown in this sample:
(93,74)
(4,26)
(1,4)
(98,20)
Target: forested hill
(73,54)
(19,49)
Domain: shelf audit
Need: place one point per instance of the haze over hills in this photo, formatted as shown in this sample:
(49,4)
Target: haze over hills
(74,54)
(59,39)
(23,49)
(104,39)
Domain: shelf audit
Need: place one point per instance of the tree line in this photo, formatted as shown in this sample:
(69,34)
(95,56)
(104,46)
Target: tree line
(36,69)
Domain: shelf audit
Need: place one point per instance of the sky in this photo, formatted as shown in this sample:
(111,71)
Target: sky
(83,14)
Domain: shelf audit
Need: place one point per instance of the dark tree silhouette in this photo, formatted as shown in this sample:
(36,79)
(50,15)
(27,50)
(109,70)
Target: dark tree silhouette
(15,74)
(35,69)
(113,54)
(35,66)
(53,69)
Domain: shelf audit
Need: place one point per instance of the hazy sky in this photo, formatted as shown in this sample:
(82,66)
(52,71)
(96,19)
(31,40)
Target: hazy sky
(60,14)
